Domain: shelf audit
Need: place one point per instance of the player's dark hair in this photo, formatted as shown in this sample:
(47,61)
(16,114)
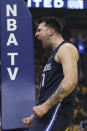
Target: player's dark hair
(51,22)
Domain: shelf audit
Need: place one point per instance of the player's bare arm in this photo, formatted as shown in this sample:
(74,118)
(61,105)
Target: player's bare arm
(68,57)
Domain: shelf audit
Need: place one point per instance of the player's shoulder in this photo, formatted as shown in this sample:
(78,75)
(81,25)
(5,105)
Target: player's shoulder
(67,50)
(68,47)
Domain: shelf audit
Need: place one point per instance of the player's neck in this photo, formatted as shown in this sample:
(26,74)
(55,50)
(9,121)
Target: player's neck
(56,41)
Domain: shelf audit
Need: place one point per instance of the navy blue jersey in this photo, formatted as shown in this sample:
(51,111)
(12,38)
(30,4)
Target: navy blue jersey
(51,78)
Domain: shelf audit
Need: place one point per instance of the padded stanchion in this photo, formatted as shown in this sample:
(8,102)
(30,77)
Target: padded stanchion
(17,64)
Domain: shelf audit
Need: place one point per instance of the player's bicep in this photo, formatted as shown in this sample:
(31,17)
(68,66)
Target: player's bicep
(68,59)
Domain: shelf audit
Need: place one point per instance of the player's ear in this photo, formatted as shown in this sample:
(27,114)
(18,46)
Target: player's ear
(51,32)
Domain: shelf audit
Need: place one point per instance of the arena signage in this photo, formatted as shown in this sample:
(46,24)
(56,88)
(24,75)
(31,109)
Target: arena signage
(17,64)
(11,28)
(69,4)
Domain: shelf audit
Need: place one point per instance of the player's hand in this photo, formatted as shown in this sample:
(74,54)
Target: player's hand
(41,110)
(28,121)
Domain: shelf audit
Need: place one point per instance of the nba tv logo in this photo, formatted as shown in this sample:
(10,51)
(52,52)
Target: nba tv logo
(75,4)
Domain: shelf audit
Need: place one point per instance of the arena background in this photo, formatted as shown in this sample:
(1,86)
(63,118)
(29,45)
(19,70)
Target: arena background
(74,24)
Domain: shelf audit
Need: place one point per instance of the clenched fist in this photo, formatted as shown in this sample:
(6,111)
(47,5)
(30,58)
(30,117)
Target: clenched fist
(41,110)
(28,121)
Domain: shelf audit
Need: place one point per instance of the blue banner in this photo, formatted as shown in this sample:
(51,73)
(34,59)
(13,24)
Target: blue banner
(68,4)
(17,67)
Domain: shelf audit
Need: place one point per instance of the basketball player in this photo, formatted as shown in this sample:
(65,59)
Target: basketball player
(59,79)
